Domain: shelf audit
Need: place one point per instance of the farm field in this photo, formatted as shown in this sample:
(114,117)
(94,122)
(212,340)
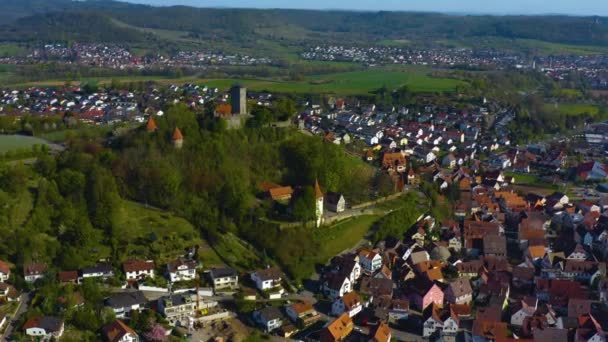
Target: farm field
(18,142)
(573,108)
(343,83)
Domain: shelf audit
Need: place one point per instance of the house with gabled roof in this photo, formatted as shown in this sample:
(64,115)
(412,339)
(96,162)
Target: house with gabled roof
(46,327)
(338,330)
(137,269)
(181,269)
(5,271)
(118,331)
(459,291)
(34,271)
(350,303)
(267,278)
(337,285)
(370,260)
(302,314)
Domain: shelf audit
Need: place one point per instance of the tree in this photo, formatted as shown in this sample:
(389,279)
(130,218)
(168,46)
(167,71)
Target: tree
(304,205)
(157,333)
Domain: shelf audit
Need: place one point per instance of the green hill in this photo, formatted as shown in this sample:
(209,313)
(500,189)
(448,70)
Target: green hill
(88,20)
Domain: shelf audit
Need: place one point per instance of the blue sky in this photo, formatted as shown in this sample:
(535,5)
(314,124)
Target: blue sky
(573,7)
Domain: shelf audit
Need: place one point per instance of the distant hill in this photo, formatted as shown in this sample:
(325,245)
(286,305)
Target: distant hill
(69,26)
(249,24)
(11,10)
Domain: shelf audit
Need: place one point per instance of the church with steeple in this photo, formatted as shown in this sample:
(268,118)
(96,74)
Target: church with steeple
(319,203)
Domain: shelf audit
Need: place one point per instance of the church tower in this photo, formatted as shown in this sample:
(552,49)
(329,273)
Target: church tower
(319,203)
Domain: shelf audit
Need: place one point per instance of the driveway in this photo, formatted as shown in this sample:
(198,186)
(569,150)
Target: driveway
(24,302)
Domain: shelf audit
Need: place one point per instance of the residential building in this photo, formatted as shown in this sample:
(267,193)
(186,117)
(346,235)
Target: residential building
(178,309)
(349,303)
(459,291)
(138,269)
(370,260)
(124,302)
(381,333)
(337,285)
(34,271)
(335,202)
(270,318)
(118,331)
(338,330)
(268,278)
(102,270)
(44,328)
(5,271)
(181,270)
(224,278)
(302,314)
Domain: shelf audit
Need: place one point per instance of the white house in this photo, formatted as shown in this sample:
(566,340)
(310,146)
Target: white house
(118,331)
(335,202)
(270,318)
(181,269)
(138,269)
(97,271)
(337,285)
(370,260)
(5,271)
(348,265)
(33,271)
(224,278)
(44,328)
(431,324)
(267,279)
(124,302)
(349,303)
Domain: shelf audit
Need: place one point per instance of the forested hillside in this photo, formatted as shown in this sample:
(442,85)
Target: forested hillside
(322,26)
(80,206)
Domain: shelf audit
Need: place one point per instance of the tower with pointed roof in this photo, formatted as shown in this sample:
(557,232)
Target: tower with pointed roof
(177,138)
(318,203)
(151,125)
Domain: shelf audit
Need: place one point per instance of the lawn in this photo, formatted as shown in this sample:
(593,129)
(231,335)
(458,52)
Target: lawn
(342,236)
(522,178)
(236,253)
(153,233)
(573,108)
(18,142)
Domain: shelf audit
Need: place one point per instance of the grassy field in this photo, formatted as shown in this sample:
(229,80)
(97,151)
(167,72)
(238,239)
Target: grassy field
(236,253)
(342,236)
(573,108)
(155,233)
(18,142)
(343,83)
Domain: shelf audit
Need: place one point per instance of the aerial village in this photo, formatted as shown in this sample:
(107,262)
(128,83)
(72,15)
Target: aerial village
(522,257)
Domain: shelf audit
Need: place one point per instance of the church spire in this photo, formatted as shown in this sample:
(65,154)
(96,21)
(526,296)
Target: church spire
(318,192)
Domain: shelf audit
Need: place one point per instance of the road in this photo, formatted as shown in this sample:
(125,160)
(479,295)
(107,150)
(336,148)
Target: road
(24,302)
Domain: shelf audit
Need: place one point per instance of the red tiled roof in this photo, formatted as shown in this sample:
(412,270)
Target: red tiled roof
(4,267)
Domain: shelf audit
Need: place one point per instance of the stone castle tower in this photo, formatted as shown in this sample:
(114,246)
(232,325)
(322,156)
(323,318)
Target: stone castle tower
(238,99)
(318,204)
